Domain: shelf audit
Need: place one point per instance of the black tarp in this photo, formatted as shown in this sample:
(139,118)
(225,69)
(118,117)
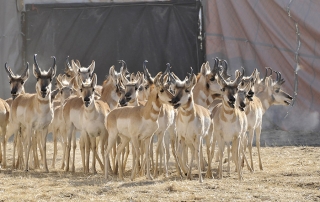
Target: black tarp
(159,32)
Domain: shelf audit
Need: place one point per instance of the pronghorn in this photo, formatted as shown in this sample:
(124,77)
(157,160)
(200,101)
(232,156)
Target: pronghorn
(93,118)
(72,115)
(266,93)
(136,123)
(34,111)
(65,89)
(192,122)
(230,124)
(17,87)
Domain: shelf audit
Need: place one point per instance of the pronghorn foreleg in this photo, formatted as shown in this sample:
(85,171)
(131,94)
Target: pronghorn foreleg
(221,145)
(166,146)
(158,153)
(69,131)
(147,143)
(27,146)
(94,151)
(197,147)
(34,145)
(258,133)
(208,145)
(82,145)
(74,146)
(87,150)
(236,153)
(54,135)
(98,140)
(43,136)
(192,150)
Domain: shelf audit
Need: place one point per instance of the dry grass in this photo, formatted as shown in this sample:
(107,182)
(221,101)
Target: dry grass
(290,174)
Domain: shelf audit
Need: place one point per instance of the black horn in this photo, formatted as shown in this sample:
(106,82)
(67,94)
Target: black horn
(37,68)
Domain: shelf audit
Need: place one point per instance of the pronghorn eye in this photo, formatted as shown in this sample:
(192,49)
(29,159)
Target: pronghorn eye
(187,91)
(223,89)
(161,91)
(10,82)
(61,92)
(277,91)
(22,82)
(135,88)
(80,89)
(212,78)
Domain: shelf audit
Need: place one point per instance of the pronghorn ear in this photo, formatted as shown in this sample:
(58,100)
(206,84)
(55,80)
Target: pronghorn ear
(94,80)
(25,74)
(92,66)
(203,69)
(74,66)
(54,93)
(140,80)
(73,83)
(193,81)
(59,84)
(112,73)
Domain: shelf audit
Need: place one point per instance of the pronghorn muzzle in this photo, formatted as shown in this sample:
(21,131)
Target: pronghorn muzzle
(87,101)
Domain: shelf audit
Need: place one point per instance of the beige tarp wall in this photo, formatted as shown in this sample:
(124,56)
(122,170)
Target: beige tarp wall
(277,34)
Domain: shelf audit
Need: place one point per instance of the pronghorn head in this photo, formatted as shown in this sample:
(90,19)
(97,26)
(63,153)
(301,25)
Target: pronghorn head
(68,70)
(87,89)
(229,89)
(252,79)
(83,72)
(272,89)
(244,96)
(182,90)
(44,78)
(17,81)
(131,88)
(208,76)
(66,88)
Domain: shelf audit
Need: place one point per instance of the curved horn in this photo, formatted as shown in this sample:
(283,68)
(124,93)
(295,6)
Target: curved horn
(25,74)
(124,66)
(67,65)
(8,70)
(225,70)
(146,72)
(37,68)
(239,78)
(265,76)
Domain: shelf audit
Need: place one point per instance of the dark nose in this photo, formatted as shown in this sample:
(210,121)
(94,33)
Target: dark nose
(174,100)
(122,102)
(232,99)
(127,95)
(86,99)
(242,105)
(251,93)
(13,91)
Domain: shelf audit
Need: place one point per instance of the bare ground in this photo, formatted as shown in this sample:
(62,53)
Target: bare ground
(291,173)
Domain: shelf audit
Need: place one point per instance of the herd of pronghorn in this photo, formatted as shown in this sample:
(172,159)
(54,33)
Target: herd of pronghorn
(131,109)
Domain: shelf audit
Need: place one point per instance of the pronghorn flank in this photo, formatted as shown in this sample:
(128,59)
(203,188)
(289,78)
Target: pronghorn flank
(34,111)
(136,123)
(192,122)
